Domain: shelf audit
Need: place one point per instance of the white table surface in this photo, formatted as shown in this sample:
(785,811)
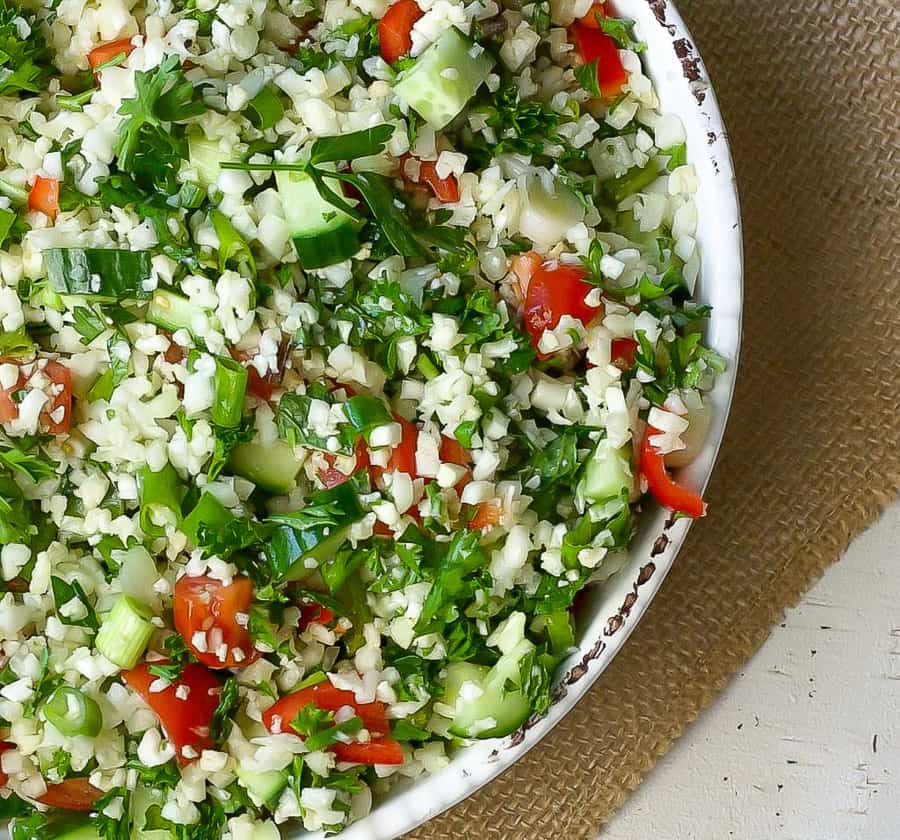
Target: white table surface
(804,744)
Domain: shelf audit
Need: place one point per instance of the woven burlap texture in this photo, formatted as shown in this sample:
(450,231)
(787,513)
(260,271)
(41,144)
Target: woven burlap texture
(809,91)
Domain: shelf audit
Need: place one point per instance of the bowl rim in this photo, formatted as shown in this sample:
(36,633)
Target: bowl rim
(414,802)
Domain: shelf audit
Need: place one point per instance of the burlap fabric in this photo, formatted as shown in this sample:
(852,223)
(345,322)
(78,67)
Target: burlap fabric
(809,90)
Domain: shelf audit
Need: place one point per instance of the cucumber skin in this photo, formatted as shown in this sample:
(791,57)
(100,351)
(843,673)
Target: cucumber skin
(171,311)
(435,98)
(322,234)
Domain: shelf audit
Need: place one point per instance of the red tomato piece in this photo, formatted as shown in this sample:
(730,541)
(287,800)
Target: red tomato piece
(59,392)
(4,746)
(553,291)
(205,605)
(9,410)
(312,612)
(107,52)
(61,377)
(260,387)
(445,190)
(76,794)
(668,492)
(403,457)
(332,477)
(186,722)
(594,45)
(453,452)
(44,197)
(486,515)
(622,352)
(395,28)
(590,19)
(376,751)
(327,697)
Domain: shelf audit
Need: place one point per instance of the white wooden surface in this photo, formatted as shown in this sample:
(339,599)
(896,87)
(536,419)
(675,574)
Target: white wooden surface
(805,743)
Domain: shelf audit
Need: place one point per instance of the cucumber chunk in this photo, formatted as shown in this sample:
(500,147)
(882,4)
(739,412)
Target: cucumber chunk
(173,311)
(488,702)
(205,157)
(265,786)
(548,214)
(271,466)
(323,234)
(444,78)
(607,475)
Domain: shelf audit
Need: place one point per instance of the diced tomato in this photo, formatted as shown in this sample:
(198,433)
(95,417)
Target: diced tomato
(556,290)
(664,488)
(376,751)
(333,477)
(61,377)
(59,392)
(395,29)
(260,387)
(206,605)
(590,19)
(76,794)
(311,612)
(187,721)
(107,52)
(403,456)
(524,267)
(486,515)
(380,750)
(9,409)
(4,746)
(622,352)
(594,45)
(327,697)
(453,452)
(445,190)
(44,197)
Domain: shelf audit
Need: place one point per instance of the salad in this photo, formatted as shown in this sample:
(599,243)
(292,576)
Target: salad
(340,346)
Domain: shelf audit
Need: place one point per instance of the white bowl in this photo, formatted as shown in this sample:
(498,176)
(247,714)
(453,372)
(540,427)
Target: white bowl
(684,89)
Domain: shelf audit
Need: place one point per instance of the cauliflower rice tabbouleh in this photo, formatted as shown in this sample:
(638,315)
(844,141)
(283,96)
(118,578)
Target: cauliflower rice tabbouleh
(341,343)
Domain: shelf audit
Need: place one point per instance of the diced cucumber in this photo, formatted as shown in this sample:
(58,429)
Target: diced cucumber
(495,711)
(547,215)
(205,157)
(265,786)
(142,800)
(323,234)
(84,831)
(606,475)
(444,78)
(271,466)
(173,311)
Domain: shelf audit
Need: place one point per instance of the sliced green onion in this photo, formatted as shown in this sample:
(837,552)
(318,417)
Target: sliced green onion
(98,273)
(426,367)
(76,101)
(314,678)
(73,713)
(231,387)
(159,490)
(366,413)
(7,219)
(17,195)
(17,343)
(634,180)
(125,632)
(191,195)
(231,243)
(209,512)
(265,109)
